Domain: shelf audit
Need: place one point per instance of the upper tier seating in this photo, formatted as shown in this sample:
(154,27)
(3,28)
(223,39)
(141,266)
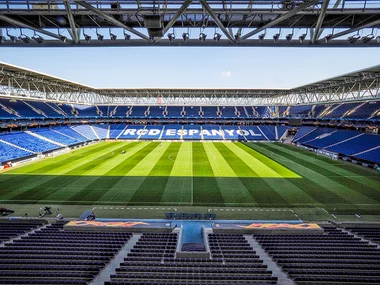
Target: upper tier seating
(86,111)
(9,152)
(243,113)
(120,111)
(156,112)
(365,110)
(227,112)
(341,110)
(66,109)
(23,109)
(299,111)
(29,142)
(5,115)
(192,112)
(209,112)
(138,111)
(104,110)
(174,112)
(46,109)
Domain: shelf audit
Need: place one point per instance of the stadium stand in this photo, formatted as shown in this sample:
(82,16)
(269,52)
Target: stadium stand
(86,131)
(152,261)
(67,109)
(242,113)
(132,132)
(9,152)
(46,109)
(192,132)
(192,112)
(212,132)
(151,133)
(21,108)
(120,111)
(55,136)
(69,132)
(156,112)
(174,112)
(332,258)
(101,130)
(86,111)
(232,133)
(54,256)
(341,110)
(299,111)
(227,112)
(366,231)
(10,230)
(29,142)
(116,130)
(209,112)
(269,131)
(138,111)
(252,133)
(356,145)
(281,131)
(103,110)
(332,138)
(303,131)
(317,133)
(173,132)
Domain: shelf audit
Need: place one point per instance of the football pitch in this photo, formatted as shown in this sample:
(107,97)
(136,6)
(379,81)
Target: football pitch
(216,174)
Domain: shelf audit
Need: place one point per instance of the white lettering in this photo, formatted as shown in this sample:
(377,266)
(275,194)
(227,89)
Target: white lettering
(206,132)
(216,132)
(182,132)
(129,132)
(253,133)
(230,132)
(242,132)
(192,132)
(170,132)
(142,132)
(153,132)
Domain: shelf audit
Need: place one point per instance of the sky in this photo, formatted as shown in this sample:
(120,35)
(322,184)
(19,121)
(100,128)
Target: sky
(185,67)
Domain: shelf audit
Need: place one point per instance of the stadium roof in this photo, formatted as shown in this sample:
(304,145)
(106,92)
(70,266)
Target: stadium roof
(304,23)
(20,82)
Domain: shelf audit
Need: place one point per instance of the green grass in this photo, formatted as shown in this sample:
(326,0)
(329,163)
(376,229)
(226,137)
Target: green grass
(195,174)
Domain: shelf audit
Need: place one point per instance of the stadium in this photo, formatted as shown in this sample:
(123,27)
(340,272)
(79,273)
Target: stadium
(154,186)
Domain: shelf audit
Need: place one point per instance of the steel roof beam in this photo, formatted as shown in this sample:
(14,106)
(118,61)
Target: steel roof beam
(354,29)
(321,17)
(280,19)
(217,21)
(73,32)
(177,15)
(111,19)
(24,25)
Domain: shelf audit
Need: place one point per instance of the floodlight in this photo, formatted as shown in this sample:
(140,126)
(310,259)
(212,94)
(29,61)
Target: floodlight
(13,39)
(368,38)
(100,36)
(87,38)
(127,37)
(217,37)
(353,39)
(378,39)
(328,38)
(113,37)
(302,38)
(38,38)
(63,38)
(261,37)
(276,37)
(202,37)
(25,38)
(2,39)
(185,36)
(171,37)
(289,37)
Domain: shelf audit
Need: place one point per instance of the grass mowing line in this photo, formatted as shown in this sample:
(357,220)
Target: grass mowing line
(56,184)
(206,189)
(53,165)
(92,175)
(103,184)
(145,166)
(261,192)
(309,170)
(364,186)
(232,189)
(152,189)
(282,171)
(179,186)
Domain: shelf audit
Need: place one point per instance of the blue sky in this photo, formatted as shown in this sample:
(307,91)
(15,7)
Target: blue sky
(192,67)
